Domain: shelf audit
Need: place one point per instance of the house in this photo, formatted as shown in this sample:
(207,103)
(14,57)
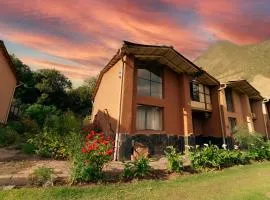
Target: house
(8,83)
(241,105)
(153,96)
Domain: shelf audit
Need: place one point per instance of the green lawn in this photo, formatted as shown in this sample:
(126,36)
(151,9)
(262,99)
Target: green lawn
(243,182)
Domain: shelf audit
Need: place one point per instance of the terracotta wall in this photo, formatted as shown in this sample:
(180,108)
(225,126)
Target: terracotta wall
(108,99)
(268,119)
(242,111)
(7,86)
(212,125)
(176,102)
(259,124)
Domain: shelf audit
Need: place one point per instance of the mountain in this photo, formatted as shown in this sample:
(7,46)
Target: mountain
(227,61)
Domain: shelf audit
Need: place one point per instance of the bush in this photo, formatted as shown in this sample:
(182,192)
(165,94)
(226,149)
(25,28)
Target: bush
(28,148)
(261,152)
(8,136)
(42,176)
(175,160)
(39,113)
(246,140)
(213,157)
(137,169)
(95,153)
(53,140)
(254,143)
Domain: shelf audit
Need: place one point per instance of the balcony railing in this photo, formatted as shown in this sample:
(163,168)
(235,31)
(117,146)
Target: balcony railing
(201,105)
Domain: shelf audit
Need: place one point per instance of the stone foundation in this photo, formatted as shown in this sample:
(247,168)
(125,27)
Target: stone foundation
(157,143)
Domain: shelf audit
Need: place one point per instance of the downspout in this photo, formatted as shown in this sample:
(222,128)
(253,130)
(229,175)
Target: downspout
(264,118)
(117,134)
(220,114)
(10,102)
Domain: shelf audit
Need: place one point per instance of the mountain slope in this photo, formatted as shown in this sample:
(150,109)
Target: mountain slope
(227,61)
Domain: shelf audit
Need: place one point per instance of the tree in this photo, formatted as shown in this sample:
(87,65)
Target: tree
(80,99)
(26,93)
(91,84)
(53,87)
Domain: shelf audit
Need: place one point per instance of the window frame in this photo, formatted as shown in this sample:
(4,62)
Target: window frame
(145,122)
(150,80)
(229,103)
(203,92)
(234,120)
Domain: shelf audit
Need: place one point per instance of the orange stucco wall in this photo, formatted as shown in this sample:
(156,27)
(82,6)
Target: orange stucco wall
(108,99)
(7,86)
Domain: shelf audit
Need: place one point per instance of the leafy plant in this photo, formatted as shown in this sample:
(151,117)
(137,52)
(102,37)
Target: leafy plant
(261,152)
(137,169)
(95,153)
(245,139)
(8,136)
(213,157)
(28,148)
(42,176)
(175,160)
(55,139)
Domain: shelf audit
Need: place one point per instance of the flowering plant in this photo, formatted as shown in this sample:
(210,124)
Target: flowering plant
(95,153)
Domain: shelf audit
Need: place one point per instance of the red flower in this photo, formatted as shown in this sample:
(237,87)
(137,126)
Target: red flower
(88,137)
(109,152)
(83,150)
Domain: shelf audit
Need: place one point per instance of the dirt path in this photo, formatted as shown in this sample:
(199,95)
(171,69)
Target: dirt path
(15,167)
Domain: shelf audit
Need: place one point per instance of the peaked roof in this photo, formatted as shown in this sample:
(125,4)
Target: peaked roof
(166,55)
(6,54)
(243,86)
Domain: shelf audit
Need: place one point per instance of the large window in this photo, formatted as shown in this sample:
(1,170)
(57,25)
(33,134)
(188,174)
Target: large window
(149,81)
(149,118)
(200,93)
(194,91)
(229,99)
(232,124)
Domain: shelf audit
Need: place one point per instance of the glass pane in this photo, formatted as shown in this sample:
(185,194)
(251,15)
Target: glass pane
(202,98)
(201,88)
(207,90)
(156,74)
(143,87)
(140,118)
(207,99)
(194,92)
(156,89)
(154,118)
(144,73)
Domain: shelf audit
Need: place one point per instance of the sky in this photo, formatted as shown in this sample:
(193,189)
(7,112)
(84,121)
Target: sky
(79,37)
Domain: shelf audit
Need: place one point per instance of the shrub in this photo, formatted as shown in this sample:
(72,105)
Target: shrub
(53,140)
(28,148)
(213,157)
(8,136)
(95,153)
(42,176)
(261,152)
(39,113)
(254,142)
(137,169)
(175,160)
(245,139)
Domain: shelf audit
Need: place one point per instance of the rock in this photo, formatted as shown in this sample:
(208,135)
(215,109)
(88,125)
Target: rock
(8,187)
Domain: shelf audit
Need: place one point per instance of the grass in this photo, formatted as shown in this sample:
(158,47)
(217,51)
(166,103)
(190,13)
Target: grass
(241,182)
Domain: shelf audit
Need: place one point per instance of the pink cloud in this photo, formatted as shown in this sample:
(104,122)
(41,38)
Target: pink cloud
(89,32)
